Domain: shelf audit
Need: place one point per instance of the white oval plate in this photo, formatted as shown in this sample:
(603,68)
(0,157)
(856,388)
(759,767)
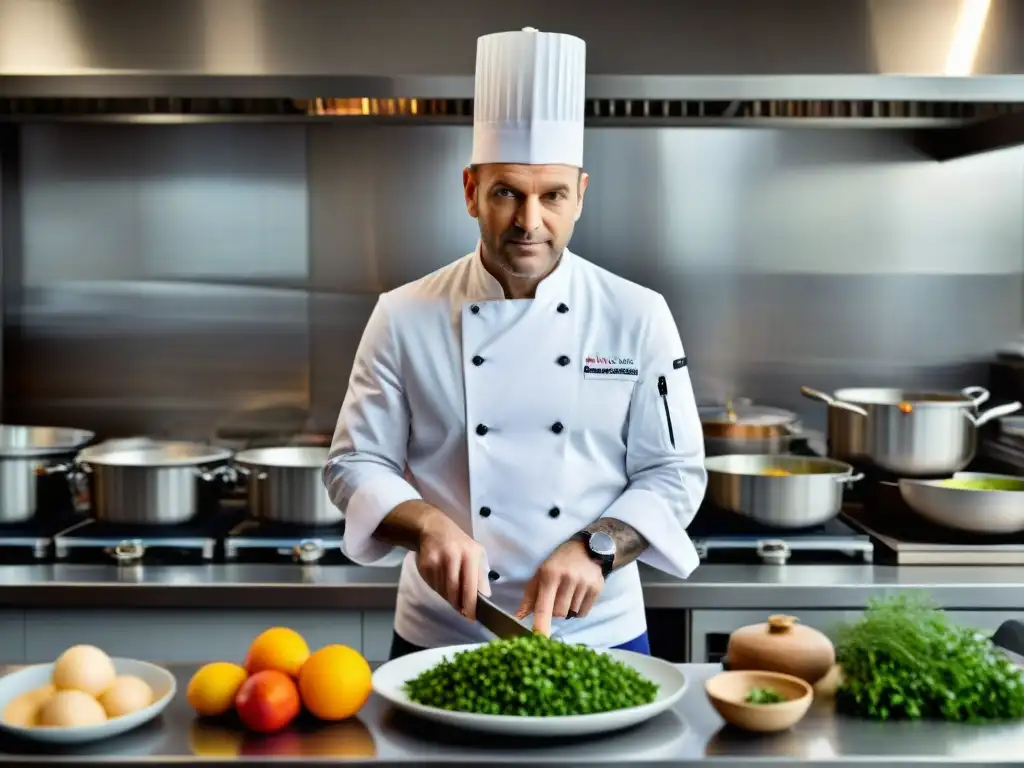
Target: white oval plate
(24,680)
(389,682)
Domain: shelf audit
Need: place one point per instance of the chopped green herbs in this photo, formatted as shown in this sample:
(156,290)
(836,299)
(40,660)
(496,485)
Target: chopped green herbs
(906,660)
(764,696)
(531,676)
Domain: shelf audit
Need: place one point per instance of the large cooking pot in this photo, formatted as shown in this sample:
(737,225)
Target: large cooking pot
(26,453)
(286,485)
(905,432)
(779,491)
(741,427)
(149,483)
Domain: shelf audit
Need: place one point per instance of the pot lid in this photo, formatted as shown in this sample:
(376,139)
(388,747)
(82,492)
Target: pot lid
(24,441)
(155,454)
(752,415)
(292,456)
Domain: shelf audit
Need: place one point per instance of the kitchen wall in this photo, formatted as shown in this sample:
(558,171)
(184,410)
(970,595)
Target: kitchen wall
(182,279)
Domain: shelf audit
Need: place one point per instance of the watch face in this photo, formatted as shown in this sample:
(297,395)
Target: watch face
(602,544)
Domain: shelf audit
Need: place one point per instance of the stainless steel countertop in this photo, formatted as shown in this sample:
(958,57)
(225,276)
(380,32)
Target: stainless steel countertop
(690,734)
(358,588)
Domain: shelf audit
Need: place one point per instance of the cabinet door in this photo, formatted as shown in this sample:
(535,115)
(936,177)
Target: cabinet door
(181,635)
(378,628)
(12,637)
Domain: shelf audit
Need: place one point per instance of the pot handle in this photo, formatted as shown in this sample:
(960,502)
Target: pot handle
(850,479)
(993,413)
(979,395)
(77,479)
(815,394)
(246,472)
(225,473)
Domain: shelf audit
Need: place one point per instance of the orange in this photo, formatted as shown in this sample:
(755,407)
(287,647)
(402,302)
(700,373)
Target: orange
(279,649)
(335,682)
(213,688)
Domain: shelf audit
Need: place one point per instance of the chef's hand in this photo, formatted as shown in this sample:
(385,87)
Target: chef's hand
(451,562)
(569,580)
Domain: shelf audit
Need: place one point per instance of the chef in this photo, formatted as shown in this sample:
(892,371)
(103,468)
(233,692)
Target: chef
(521,422)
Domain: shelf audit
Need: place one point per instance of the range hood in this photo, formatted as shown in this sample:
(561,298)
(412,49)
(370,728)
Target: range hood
(952,68)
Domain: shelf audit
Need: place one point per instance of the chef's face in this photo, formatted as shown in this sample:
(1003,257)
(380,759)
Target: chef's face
(526,212)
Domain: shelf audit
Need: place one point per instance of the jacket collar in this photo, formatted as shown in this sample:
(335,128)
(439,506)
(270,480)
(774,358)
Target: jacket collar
(484,287)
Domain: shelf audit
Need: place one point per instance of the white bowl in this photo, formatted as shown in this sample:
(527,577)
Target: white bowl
(389,682)
(24,680)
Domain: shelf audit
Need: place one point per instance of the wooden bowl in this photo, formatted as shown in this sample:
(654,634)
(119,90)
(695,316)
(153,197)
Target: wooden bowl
(728,693)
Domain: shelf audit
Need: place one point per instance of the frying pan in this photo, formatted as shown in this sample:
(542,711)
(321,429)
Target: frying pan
(972,511)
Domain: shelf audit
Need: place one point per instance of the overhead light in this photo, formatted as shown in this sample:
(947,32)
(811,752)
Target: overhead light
(966,37)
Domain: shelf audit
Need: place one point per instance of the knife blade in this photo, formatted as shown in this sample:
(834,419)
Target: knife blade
(504,625)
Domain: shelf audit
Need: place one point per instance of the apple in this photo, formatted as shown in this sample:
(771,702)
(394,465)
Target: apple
(268,701)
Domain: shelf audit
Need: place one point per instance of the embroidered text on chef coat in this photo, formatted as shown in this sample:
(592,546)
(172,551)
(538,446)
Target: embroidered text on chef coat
(611,367)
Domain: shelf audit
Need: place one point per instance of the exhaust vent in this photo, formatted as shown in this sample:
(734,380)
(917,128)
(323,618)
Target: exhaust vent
(943,130)
(625,112)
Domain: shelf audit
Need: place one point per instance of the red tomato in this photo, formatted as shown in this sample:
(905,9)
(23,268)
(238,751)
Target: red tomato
(268,701)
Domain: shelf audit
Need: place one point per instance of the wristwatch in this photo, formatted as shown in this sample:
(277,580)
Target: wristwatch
(601,548)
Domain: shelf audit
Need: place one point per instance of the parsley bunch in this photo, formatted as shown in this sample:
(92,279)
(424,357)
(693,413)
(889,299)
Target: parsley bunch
(906,660)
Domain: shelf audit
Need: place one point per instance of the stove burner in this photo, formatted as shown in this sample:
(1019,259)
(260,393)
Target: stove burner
(128,544)
(263,541)
(31,540)
(722,536)
(903,537)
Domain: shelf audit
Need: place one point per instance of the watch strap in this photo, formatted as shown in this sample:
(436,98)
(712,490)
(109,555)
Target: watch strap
(607,562)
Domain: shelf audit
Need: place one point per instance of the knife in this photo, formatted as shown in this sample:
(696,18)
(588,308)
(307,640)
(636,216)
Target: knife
(502,624)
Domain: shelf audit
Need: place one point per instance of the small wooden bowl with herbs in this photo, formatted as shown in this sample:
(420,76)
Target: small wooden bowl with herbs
(763,702)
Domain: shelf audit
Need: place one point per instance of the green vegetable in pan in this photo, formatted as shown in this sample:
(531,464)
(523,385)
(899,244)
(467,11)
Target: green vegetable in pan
(983,484)
(532,676)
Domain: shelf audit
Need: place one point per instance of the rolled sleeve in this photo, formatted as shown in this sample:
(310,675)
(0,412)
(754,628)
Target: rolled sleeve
(365,471)
(664,452)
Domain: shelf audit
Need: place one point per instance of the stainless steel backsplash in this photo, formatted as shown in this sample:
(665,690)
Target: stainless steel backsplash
(181,279)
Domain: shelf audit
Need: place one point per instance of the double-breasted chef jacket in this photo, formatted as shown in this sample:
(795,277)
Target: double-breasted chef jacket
(524,421)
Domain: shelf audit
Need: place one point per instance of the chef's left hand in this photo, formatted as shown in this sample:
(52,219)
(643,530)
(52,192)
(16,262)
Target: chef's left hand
(569,580)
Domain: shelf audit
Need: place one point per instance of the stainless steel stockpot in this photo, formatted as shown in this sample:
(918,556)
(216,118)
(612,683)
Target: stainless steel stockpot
(25,454)
(908,433)
(286,485)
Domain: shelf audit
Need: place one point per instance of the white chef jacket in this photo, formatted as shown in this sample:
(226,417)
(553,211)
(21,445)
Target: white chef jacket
(524,421)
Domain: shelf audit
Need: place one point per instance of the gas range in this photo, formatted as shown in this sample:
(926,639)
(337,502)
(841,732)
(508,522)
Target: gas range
(260,541)
(230,535)
(720,536)
(32,541)
(95,541)
(903,537)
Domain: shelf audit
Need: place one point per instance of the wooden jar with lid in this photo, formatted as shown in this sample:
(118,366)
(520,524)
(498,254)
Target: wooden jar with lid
(781,645)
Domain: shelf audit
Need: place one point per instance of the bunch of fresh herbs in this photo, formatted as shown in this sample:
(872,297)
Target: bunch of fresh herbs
(905,659)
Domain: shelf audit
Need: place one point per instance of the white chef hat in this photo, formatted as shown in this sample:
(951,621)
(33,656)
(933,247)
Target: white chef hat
(529,100)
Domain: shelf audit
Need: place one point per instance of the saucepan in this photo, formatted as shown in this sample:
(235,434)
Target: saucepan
(973,502)
(739,426)
(147,482)
(905,432)
(25,455)
(779,491)
(285,485)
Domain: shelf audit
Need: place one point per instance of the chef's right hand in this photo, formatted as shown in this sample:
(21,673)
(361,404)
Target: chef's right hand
(451,562)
